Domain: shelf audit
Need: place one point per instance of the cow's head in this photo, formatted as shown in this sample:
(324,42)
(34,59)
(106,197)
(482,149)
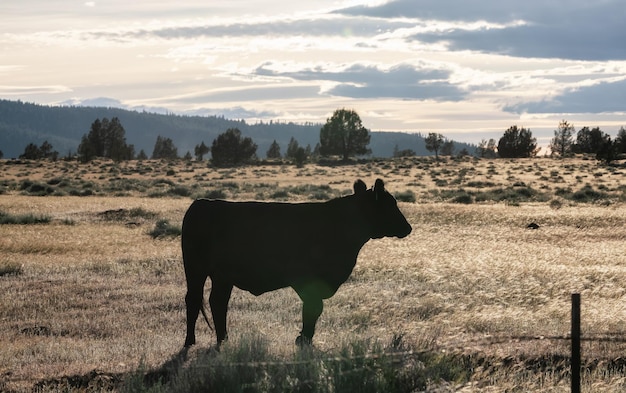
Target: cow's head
(382,211)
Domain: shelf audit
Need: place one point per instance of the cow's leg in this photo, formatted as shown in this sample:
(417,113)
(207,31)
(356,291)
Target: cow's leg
(220,295)
(193,300)
(312,307)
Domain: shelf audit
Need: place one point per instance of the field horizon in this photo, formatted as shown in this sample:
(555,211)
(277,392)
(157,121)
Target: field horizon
(93,293)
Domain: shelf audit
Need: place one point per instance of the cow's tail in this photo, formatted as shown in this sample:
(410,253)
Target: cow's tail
(206,318)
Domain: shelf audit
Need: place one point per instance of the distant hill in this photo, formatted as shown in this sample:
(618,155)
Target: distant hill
(63,126)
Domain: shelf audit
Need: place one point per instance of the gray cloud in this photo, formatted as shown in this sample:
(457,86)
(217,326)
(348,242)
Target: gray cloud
(402,81)
(579,30)
(457,10)
(537,41)
(603,97)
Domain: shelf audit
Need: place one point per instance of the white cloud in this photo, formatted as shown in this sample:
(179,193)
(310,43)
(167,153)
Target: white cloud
(26,90)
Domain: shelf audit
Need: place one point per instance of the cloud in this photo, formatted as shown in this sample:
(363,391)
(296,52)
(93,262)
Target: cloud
(536,41)
(600,98)
(21,90)
(403,81)
(565,29)
(450,10)
(251,93)
(317,27)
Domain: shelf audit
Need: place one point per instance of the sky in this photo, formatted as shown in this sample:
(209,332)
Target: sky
(468,69)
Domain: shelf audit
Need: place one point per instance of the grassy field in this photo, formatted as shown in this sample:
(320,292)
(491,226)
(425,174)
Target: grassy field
(473,300)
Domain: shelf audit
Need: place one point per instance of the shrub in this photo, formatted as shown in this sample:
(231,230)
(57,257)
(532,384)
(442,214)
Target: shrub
(163,228)
(280,194)
(320,196)
(10,269)
(588,194)
(406,196)
(125,214)
(511,195)
(36,189)
(480,184)
(180,191)
(464,199)
(54,181)
(81,193)
(24,219)
(556,204)
(215,194)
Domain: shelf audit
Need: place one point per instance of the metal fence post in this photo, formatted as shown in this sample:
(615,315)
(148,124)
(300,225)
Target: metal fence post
(575,343)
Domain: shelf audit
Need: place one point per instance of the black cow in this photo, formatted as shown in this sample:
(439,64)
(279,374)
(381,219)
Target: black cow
(260,247)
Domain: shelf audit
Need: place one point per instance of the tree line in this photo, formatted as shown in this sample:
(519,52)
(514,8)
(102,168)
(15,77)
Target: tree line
(342,135)
(518,142)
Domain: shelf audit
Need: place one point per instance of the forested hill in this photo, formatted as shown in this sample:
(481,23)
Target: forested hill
(63,126)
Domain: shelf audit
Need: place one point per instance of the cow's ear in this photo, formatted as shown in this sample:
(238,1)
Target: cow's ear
(359,187)
(379,188)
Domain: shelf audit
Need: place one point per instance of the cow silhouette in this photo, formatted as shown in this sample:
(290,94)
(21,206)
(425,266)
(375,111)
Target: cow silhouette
(261,247)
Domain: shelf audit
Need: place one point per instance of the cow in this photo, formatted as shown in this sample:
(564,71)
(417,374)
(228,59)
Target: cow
(264,246)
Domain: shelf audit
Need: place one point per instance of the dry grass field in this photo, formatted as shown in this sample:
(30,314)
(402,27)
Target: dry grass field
(90,298)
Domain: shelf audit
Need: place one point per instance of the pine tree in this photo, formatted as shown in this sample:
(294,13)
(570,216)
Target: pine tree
(230,148)
(164,149)
(292,148)
(274,151)
(517,142)
(106,138)
(200,150)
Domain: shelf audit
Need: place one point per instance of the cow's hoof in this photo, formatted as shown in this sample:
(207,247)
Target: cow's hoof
(303,341)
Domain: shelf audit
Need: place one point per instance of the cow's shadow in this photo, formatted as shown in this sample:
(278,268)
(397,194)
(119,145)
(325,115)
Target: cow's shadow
(172,366)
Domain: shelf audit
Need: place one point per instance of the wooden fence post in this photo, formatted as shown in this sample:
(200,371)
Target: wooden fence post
(575,343)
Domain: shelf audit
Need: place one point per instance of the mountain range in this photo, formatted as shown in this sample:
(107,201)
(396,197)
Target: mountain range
(22,123)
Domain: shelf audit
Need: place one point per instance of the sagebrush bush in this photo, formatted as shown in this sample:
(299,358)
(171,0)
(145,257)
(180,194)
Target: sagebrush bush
(556,204)
(23,219)
(588,194)
(280,194)
(180,191)
(10,269)
(406,196)
(163,228)
(36,189)
(464,199)
(215,194)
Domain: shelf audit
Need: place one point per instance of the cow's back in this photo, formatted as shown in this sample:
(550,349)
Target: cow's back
(264,246)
